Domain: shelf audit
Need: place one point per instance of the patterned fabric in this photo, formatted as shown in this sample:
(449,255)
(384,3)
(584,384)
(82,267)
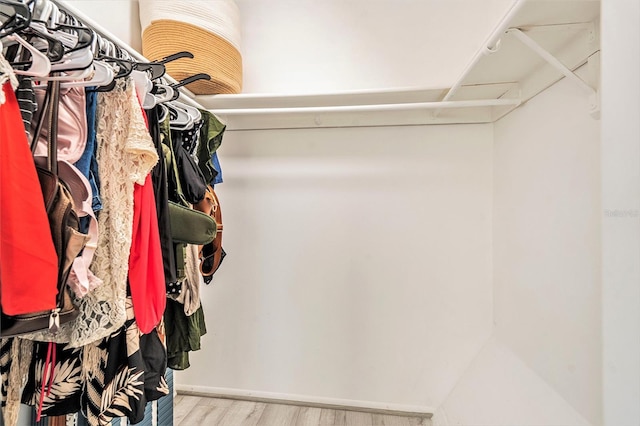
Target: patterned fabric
(5,366)
(63,396)
(189,294)
(112,378)
(189,138)
(15,358)
(126,373)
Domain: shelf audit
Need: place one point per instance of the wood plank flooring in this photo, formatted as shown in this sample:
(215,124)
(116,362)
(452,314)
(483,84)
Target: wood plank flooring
(202,411)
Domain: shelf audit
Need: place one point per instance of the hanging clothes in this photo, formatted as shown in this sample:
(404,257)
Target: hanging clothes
(29,272)
(124,372)
(88,163)
(183,334)
(146,272)
(161,192)
(211,135)
(72,125)
(125,155)
(111,360)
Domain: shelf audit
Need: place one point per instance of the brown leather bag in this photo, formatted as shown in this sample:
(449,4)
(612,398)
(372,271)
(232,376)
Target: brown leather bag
(211,254)
(64,224)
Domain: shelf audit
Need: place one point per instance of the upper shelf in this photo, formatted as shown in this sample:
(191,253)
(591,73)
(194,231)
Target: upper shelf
(509,70)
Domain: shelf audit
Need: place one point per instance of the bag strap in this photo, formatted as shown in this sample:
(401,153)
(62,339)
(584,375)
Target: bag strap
(49,115)
(217,242)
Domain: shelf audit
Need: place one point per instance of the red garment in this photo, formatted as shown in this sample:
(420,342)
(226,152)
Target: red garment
(28,259)
(146,271)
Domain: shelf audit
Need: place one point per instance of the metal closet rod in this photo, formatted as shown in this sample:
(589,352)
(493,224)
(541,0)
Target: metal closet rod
(370,108)
(86,20)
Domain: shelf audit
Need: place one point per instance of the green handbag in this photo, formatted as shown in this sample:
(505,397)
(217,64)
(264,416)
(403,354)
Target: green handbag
(190,226)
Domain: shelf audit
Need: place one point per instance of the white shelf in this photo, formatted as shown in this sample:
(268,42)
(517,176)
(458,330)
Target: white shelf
(512,74)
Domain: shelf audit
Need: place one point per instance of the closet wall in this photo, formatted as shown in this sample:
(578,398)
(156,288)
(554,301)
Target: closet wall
(621,215)
(359,265)
(544,363)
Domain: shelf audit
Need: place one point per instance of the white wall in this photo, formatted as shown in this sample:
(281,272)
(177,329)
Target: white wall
(621,204)
(547,269)
(359,263)
(309,46)
(120,17)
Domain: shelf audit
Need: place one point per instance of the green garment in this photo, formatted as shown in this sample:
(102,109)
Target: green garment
(210,140)
(183,333)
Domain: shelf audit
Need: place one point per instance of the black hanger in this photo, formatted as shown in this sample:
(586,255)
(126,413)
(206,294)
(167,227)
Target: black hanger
(188,80)
(55,48)
(85,35)
(14,16)
(157,68)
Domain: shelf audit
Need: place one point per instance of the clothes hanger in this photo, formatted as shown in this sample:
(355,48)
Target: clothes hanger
(42,9)
(182,117)
(156,93)
(179,118)
(77,41)
(17,17)
(188,80)
(54,49)
(69,40)
(103,75)
(194,112)
(79,36)
(157,69)
(82,36)
(40,64)
(74,61)
(143,86)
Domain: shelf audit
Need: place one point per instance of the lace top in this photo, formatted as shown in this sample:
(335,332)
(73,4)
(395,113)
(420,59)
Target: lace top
(126,154)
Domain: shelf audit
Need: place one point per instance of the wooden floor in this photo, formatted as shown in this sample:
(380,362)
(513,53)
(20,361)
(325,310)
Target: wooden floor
(200,411)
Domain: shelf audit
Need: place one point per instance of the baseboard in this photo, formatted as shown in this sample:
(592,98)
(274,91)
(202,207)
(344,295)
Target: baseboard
(308,401)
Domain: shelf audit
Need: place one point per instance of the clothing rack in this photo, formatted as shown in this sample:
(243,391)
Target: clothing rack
(185,95)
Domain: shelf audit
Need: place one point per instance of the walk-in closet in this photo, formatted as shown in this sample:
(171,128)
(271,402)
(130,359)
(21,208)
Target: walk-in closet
(430,211)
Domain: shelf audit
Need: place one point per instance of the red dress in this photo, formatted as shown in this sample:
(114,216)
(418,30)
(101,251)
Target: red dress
(28,260)
(146,271)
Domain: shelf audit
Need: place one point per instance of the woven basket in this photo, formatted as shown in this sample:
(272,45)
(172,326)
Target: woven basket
(213,55)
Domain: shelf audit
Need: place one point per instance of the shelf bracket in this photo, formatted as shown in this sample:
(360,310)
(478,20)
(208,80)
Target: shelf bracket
(594,104)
